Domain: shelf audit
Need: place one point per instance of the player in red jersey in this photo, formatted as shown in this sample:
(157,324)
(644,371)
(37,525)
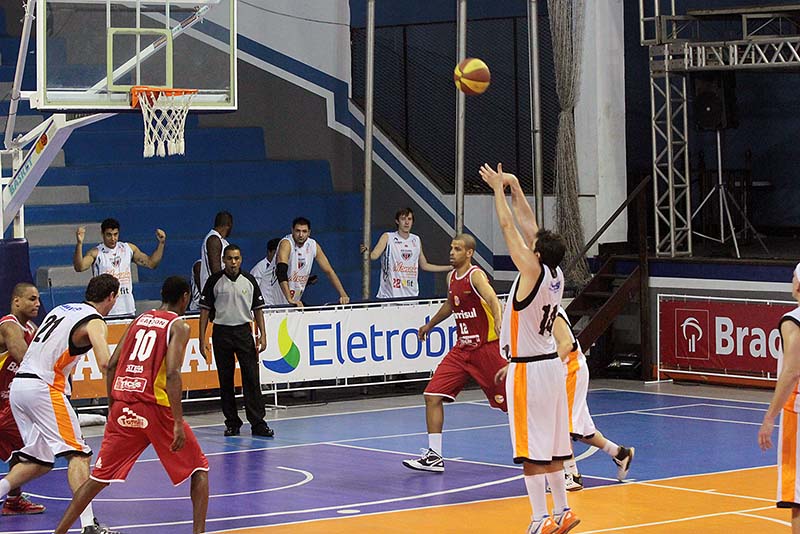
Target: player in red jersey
(474,305)
(16,332)
(144,392)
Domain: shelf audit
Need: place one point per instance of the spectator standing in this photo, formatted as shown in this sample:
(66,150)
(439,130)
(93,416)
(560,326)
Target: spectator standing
(264,269)
(114,257)
(213,246)
(231,299)
(401,259)
(294,259)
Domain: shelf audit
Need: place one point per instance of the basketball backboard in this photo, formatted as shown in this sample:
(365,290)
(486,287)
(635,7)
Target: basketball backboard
(91,52)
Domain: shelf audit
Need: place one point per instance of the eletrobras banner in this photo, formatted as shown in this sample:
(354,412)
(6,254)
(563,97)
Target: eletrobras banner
(312,344)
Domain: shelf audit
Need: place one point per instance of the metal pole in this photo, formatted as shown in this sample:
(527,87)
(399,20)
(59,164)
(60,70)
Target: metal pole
(536,109)
(460,116)
(27,21)
(368,101)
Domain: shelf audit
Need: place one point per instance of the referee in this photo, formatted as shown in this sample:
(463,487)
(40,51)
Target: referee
(231,298)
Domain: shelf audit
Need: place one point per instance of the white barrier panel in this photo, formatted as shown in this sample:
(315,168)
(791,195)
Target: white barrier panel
(346,342)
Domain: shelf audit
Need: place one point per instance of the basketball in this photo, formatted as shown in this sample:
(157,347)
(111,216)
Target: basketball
(472,76)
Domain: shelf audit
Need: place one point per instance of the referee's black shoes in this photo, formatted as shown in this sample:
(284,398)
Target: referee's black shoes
(231,431)
(263,431)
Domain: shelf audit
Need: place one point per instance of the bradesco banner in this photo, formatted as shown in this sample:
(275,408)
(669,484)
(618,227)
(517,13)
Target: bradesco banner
(368,341)
(721,335)
(196,373)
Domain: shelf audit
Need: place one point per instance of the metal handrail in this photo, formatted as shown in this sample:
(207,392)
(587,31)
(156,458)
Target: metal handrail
(631,197)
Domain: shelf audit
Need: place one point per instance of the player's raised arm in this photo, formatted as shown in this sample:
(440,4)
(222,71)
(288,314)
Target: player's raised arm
(522,209)
(522,254)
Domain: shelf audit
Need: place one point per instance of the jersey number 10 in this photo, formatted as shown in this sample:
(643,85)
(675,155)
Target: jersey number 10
(145,341)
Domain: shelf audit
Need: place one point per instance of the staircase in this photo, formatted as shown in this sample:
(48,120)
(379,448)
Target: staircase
(616,285)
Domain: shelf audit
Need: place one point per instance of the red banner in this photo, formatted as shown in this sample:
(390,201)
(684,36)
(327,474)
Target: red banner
(730,337)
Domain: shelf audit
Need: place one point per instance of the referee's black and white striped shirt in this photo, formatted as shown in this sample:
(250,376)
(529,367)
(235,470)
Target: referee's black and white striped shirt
(231,300)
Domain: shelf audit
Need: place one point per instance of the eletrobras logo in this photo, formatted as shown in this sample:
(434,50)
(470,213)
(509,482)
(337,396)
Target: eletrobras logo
(290,354)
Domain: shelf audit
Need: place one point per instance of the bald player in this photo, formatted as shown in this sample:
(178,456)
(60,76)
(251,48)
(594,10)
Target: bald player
(476,309)
(16,332)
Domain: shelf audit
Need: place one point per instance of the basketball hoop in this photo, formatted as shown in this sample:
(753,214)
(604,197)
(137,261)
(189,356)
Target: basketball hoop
(164,112)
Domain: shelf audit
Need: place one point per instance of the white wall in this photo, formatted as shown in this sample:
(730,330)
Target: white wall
(316,32)
(600,118)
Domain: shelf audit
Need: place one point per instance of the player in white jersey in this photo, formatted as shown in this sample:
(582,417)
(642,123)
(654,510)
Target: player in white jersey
(786,402)
(214,243)
(535,387)
(48,424)
(581,425)
(194,302)
(263,270)
(114,257)
(401,259)
(293,262)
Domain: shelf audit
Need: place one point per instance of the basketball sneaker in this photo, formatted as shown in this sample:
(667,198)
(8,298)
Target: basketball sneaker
(566,521)
(97,528)
(543,526)
(574,482)
(429,461)
(623,460)
(21,505)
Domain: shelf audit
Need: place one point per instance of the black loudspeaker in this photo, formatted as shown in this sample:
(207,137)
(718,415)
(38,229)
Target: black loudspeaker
(715,100)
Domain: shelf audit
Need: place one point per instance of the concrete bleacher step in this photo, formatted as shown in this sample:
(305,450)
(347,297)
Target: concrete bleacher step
(65,276)
(23,124)
(56,195)
(61,295)
(49,235)
(58,161)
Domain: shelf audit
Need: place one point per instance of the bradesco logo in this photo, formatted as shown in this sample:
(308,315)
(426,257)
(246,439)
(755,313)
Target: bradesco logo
(290,354)
(332,344)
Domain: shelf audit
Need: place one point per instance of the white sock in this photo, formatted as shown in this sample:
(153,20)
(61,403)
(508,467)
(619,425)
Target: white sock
(571,466)
(435,443)
(535,485)
(611,448)
(5,487)
(558,489)
(87,516)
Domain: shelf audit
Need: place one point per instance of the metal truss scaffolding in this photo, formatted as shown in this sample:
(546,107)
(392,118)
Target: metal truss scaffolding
(769,38)
(669,124)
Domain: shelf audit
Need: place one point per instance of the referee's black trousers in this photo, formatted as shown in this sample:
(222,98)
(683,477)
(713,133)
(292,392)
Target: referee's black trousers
(230,340)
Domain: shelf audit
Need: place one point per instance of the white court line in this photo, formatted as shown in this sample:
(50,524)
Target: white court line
(371,410)
(307,477)
(704,492)
(708,419)
(449,430)
(734,407)
(327,508)
(671,521)
(402,453)
(682,396)
(774,520)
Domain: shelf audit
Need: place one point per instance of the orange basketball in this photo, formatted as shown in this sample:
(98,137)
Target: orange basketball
(472,76)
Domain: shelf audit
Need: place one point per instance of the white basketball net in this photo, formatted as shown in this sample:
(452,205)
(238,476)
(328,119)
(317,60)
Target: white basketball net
(164,112)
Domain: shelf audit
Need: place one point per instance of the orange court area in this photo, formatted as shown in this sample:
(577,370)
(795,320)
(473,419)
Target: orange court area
(722,503)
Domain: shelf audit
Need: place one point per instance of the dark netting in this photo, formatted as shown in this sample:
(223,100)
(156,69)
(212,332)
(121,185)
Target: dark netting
(415,99)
